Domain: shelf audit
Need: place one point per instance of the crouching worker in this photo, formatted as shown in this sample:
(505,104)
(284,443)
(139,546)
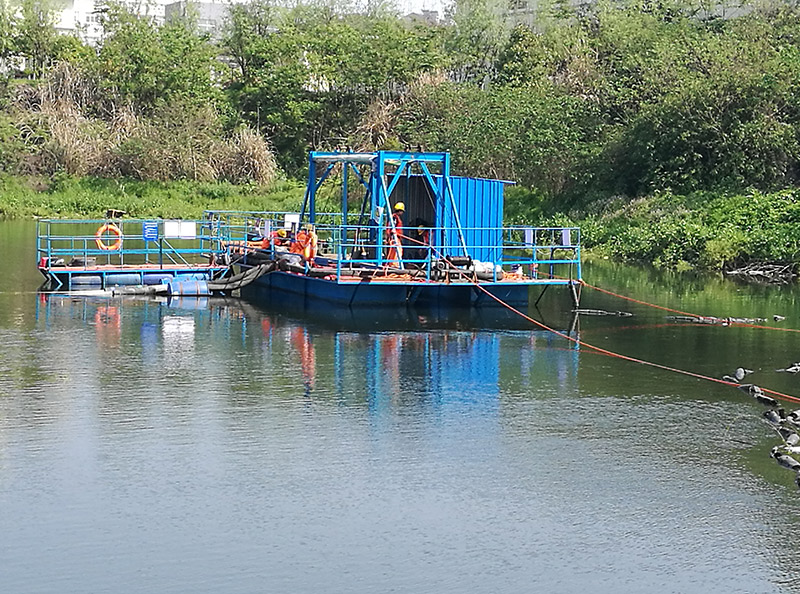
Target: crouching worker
(305,244)
(279,238)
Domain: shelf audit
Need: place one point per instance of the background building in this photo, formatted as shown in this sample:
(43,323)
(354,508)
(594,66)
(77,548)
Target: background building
(84,17)
(210,15)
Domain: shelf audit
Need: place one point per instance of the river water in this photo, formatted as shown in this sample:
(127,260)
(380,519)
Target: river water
(217,446)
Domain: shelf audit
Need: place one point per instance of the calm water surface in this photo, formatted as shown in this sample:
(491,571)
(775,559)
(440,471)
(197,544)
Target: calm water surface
(218,446)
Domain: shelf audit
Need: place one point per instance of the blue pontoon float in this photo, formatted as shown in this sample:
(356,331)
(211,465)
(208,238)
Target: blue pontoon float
(455,248)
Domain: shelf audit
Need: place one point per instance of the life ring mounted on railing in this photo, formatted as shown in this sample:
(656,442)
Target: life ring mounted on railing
(108,228)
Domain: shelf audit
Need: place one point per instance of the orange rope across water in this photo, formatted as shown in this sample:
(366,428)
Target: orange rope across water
(598,349)
(684,313)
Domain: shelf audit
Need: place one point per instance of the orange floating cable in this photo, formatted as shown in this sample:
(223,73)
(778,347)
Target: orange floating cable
(775,393)
(626,357)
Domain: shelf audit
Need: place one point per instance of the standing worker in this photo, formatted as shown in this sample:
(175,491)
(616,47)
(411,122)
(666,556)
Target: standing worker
(305,244)
(394,233)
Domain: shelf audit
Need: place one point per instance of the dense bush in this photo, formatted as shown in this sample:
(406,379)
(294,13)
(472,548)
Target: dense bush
(612,98)
(68,196)
(699,230)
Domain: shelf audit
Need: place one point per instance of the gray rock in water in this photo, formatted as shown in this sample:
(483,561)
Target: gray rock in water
(750,389)
(785,460)
(758,394)
(793,368)
(774,417)
(765,400)
(790,437)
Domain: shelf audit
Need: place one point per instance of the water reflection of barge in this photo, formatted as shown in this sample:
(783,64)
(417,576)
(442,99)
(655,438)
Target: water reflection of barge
(363,357)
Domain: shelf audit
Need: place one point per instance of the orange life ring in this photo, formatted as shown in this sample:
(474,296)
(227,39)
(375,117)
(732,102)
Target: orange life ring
(108,228)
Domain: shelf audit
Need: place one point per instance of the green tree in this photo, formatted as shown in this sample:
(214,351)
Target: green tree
(8,27)
(35,37)
(309,73)
(479,32)
(146,65)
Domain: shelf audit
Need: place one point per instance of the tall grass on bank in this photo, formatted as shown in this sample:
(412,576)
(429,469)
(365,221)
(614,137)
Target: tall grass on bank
(71,197)
(63,124)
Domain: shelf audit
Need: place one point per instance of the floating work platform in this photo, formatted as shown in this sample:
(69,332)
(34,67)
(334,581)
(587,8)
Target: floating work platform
(406,233)
(453,247)
(102,254)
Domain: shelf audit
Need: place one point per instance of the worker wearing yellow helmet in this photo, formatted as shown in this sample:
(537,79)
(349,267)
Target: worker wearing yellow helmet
(395,232)
(279,238)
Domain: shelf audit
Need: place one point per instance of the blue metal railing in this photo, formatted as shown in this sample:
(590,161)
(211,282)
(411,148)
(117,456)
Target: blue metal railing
(525,254)
(535,254)
(63,241)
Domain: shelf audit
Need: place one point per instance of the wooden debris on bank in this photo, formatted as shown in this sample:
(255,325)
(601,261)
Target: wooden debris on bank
(763,272)
(714,320)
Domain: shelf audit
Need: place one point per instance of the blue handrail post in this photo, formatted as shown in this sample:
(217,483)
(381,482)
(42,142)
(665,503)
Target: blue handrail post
(344,194)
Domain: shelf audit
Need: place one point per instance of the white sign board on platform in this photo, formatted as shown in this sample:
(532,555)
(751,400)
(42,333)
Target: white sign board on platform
(180,229)
(530,237)
(172,229)
(291,221)
(188,230)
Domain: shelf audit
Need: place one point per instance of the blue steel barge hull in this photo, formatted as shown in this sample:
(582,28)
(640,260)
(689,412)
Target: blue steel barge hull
(372,292)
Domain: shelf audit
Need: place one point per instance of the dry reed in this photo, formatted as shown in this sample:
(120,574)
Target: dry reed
(66,125)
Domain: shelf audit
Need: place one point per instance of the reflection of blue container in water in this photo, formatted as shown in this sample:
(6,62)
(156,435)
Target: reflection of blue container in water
(195,303)
(188,288)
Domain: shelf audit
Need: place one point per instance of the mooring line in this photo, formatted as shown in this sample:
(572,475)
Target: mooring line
(640,302)
(598,349)
(728,321)
(693,315)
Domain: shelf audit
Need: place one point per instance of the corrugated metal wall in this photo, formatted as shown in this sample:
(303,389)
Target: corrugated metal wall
(419,199)
(480,210)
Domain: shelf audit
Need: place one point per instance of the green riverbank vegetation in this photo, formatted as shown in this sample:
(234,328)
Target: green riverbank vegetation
(668,130)
(66,196)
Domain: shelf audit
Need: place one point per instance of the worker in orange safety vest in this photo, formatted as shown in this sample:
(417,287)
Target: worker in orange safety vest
(305,244)
(278,238)
(393,235)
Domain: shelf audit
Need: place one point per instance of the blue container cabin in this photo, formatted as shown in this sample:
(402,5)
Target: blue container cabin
(468,252)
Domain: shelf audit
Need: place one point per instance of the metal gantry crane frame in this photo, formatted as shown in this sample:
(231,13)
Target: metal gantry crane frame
(380,183)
